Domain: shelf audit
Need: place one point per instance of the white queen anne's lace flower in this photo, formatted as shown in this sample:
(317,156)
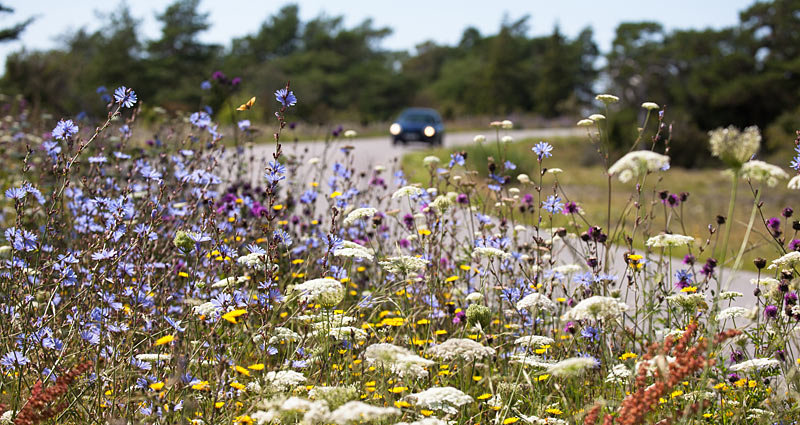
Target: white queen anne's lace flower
(754,364)
(445,399)
(327,292)
(407,191)
(786,261)
(403,264)
(358,214)
(461,348)
(536,301)
(760,171)
(534,341)
(284,380)
(666,240)
(489,252)
(354,412)
(734,147)
(638,163)
(399,360)
(794,183)
(572,366)
(732,313)
(597,308)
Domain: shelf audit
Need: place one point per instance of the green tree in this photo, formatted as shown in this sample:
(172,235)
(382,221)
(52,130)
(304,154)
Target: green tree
(13,32)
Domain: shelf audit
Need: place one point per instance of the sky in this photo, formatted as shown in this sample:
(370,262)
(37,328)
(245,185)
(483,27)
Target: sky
(413,21)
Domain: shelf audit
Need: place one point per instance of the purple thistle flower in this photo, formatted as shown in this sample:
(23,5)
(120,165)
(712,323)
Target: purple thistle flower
(771,311)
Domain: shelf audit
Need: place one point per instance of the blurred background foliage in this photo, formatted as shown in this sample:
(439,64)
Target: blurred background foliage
(748,74)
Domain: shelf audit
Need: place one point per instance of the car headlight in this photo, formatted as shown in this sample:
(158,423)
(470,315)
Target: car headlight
(429,131)
(395,129)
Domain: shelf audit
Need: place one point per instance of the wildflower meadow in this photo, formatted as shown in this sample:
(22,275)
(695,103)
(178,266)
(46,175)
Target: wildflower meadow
(157,270)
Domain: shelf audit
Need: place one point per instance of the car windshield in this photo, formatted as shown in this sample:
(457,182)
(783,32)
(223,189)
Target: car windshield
(416,117)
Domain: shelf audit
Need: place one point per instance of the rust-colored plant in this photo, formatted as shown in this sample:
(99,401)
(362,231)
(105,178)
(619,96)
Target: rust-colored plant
(688,360)
(41,403)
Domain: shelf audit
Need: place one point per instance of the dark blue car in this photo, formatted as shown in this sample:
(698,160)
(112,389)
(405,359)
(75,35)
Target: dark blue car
(422,124)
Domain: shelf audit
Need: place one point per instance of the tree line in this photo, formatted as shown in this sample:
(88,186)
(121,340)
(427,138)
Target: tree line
(745,74)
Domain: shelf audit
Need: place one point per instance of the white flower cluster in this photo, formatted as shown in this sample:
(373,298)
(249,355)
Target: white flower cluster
(360,412)
(619,374)
(794,183)
(307,412)
(425,421)
(461,348)
(786,261)
(344,333)
(638,163)
(572,366)
(734,147)
(489,252)
(403,264)
(597,308)
(760,171)
(281,335)
(358,214)
(206,309)
(531,361)
(688,301)
(536,301)
(445,399)
(354,250)
(431,160)
(407,191)
(254,260)
(666,240)
(755,364)
(327,292)
(534,341)
(230,281)
(399,360)
(284,380)
(441,203)
(732,313)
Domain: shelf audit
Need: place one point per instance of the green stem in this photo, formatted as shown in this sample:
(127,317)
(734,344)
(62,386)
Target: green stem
(738,260)
(728,226)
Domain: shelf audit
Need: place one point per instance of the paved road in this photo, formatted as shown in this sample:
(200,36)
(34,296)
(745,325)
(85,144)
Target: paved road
(381,151)
(369,152)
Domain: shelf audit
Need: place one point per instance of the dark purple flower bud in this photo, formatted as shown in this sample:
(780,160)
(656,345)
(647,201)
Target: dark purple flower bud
(591,262)
(790,298)
(736,356)
(774,226)
(404,243)
(771,311)
(673,200)
(684,196)
(570,208)
(528,198)
(459,317)
(787,212)
(571,327)
(794,245)
(218,76)
(408,220)
(688,259)
(760,263)
(571,302)
(462,198)
(733,378)
(236,81)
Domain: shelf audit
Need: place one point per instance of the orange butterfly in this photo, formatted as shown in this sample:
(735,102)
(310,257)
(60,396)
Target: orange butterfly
(247,105)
